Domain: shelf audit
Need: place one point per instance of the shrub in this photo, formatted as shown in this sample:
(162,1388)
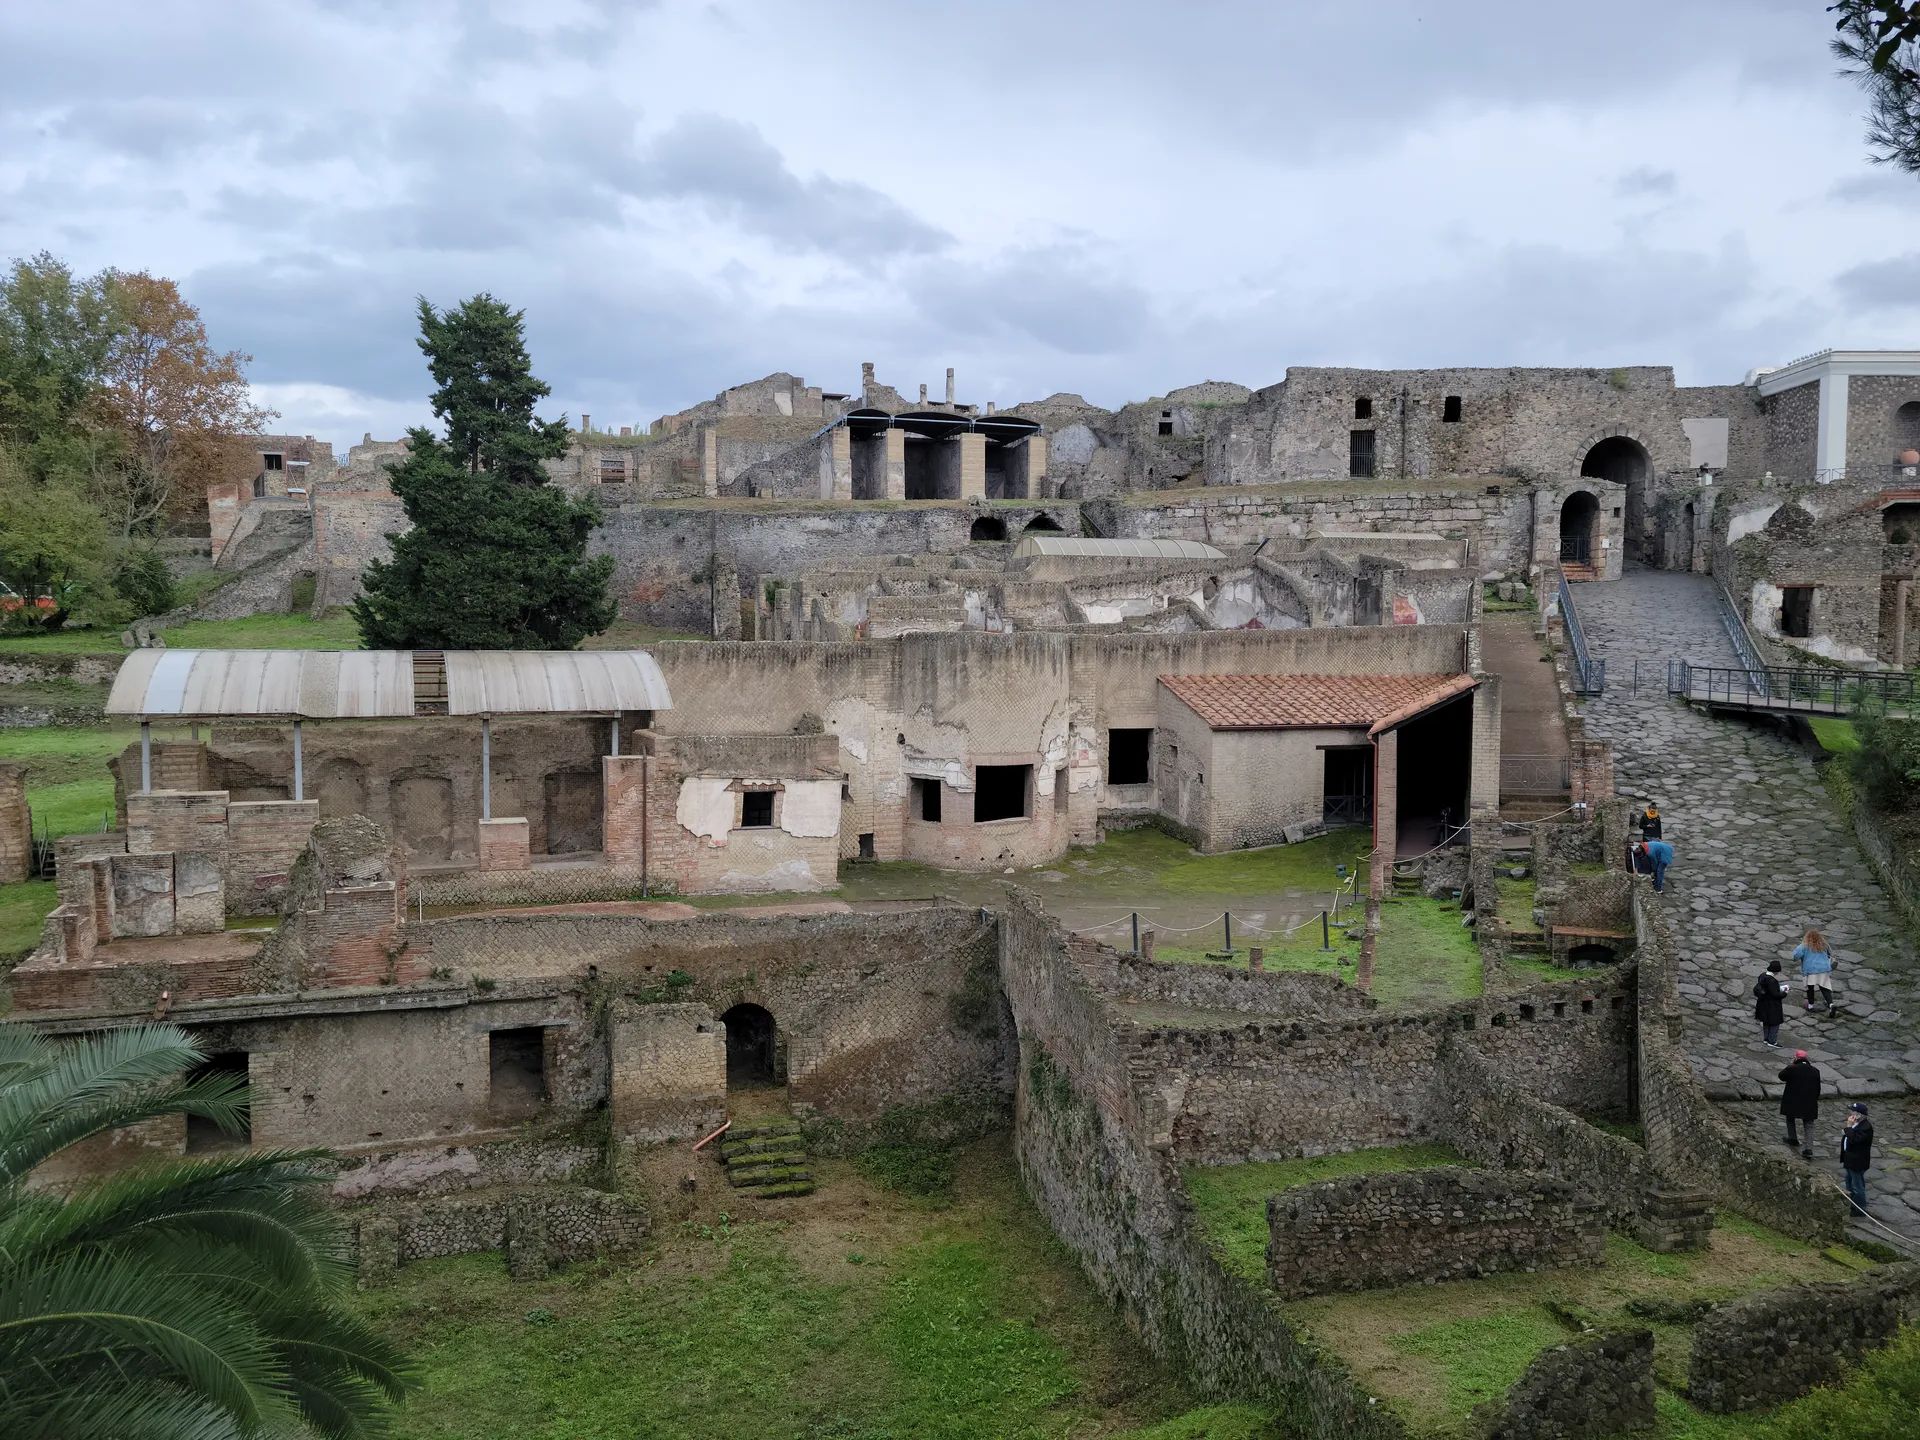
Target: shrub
(144,582)
(1886,767)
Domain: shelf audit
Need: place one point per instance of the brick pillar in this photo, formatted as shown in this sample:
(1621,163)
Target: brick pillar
(973,466)
(836,466)
(624,780)
(1484,794)
(504,845)
(1386,832)
(710,462)
(16,824)
(894,476)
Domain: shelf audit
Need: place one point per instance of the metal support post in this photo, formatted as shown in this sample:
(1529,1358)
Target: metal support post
(299,766)
(1136,932)
(486,768)
(146,757)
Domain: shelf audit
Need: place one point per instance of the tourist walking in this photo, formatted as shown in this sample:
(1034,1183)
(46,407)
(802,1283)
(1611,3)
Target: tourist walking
(1816,967)
(1659,857)
(1856,1154)
(1800,1100)
(1650,822)
(1769,1003)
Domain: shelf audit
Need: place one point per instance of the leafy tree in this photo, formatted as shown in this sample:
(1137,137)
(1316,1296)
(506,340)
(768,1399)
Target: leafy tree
(55,332)
(1879,46)
(496,558)
(1887,765)
(53,543)
(176,402)
(189,1298)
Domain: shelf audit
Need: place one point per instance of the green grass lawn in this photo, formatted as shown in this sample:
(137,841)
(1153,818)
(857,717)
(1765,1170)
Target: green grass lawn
(1230,1201)
(1836,737)
(68,787)
(864,1317)
(333,631)
(22,909)
(62,642)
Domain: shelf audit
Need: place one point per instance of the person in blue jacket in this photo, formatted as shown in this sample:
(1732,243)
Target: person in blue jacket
(1660,856)
(1816,967)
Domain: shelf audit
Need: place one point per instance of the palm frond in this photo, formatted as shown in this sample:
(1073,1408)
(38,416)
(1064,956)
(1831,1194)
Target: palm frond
(136,1410)
(38,1121)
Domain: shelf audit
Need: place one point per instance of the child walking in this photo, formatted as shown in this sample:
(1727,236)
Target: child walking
(1816,968)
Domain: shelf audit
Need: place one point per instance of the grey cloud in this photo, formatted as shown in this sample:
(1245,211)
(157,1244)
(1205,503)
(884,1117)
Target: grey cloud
(1646,180)
(1882,185)
(731,169)
(1055,294)
(1892,283)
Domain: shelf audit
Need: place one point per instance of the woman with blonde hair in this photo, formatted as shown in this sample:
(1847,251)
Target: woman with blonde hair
(1816,967)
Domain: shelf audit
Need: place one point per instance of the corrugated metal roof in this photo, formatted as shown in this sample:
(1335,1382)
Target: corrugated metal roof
(370,684)
(546,682)
(1299,702)
(1069,545)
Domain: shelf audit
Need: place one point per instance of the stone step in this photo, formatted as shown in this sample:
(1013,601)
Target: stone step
(760,1143)
(777,1192)
(748,1176)
(759,1129)
(784,1155)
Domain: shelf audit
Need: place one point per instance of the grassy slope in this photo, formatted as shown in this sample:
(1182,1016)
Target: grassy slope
(22,909)
(872,1317)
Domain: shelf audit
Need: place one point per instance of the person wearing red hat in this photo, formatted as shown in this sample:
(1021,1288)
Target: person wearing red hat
(1800,1100)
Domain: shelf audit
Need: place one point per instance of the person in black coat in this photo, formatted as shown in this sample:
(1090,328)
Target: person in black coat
(1856,1154)
(1769,1004)
(1800,1099)
(1650,822)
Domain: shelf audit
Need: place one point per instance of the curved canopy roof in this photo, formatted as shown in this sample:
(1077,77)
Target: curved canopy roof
(374,684)
(1077,548)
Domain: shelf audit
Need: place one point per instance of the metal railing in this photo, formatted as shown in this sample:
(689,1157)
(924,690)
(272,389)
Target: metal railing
(1779,687)
(1589,673)
(1535,774)
(1577,548)
(1736,629)
(1347,810)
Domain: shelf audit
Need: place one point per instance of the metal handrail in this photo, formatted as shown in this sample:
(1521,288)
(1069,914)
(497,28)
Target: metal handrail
(1812,688)
(1736,628)
(1589,674)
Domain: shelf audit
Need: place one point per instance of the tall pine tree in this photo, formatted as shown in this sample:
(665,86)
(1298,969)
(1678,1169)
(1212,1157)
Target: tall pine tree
(496,558)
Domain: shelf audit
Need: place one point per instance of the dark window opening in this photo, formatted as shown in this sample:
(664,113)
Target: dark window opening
(1347,791)
(1796,611)
(1586,957)
(517,1070)
(1129,757)
(1450,412)
(259,487)
(272,461)
(1000,792)
(752,1051)
(1166,422)
(1043,524)
(1363,408)
(1526,1012)
(987,528)
(203,1134)
(1060,789)
(1360,454)
(756,809)
(866,846)
(925,799)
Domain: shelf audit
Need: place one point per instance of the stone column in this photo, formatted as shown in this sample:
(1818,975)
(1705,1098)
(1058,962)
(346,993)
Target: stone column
(973,466)
(894,471)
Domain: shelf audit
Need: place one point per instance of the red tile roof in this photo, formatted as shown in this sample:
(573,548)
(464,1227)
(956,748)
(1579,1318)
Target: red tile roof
(1299,702)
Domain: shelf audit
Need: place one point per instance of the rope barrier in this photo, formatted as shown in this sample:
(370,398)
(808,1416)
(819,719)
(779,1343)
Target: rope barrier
(1454,834)
(1906,1241)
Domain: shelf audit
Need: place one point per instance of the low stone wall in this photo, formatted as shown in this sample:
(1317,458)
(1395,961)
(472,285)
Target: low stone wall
(1686,1135)
(1768,1348)
(1247,992)
(1497,1122)
(1599,1385)
(1893,861)
(1368,1232)
(535,1229)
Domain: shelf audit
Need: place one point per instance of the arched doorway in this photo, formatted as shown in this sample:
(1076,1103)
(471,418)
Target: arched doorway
(1624,461)
(987,527)
(1577,516)
(1684,560)
(750,1046)
(1043,525)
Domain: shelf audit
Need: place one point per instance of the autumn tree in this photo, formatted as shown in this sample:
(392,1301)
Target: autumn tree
(496,558)
(174,401)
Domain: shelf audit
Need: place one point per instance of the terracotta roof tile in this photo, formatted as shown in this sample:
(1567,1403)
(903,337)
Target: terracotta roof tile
(1296,702)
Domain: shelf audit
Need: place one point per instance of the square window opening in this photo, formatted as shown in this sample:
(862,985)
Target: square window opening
(1166,427)
(202,1134)
(924,800)
(271,461)
(756,809)
(866,846)
(1450,410)
(1129,757)
(1000,792)
(1363,407)
(1060,790)
(1360,454)
(517,1070)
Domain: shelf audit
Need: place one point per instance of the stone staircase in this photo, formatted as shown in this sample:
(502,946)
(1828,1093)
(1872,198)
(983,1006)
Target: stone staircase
(1578,572)
(767,1159)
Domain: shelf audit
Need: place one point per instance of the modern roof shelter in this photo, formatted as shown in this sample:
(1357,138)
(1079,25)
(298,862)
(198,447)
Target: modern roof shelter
(383,684)
(1305,702)
(297,685)
(1071,547)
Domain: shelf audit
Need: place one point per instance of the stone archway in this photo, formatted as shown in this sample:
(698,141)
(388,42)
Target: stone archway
(1621,459)
(987,528)
(751,1049)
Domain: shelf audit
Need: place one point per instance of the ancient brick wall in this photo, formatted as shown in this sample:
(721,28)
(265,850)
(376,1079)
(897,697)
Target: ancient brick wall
(533,1229)
(16,824)
(1592,1388)
(697,838)
(1249,992)
(1793,418)
(264,839)
(1877,433)
(1769,1348)
(667,1071)
(1368,1232)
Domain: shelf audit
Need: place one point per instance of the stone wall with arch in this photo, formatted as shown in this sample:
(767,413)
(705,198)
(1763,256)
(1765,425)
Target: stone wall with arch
(1550,501)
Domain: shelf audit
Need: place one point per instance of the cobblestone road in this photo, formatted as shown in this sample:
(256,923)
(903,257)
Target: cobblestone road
(1760,855)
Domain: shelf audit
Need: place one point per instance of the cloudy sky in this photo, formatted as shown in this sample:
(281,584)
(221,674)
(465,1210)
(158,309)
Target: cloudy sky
(1112,198)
